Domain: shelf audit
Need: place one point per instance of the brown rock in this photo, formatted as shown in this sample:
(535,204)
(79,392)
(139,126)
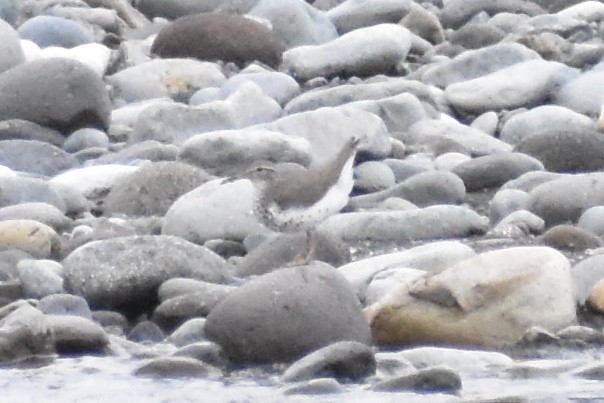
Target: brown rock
(570,238)
(596,297)
(230,38)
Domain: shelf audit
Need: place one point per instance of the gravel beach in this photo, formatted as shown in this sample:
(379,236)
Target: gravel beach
(178,221)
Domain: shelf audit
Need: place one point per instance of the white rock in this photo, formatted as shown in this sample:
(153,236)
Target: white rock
(128,115)
(367,51)
(586,10)
(93,180)
(519,85)
(94,55)
(355,14)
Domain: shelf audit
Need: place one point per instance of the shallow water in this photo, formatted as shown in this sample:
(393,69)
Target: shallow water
(101,379)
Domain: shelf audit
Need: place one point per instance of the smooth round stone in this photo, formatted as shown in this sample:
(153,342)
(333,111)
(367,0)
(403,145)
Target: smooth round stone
(146,332)
(29,92)
(525,280)
(279,86)
(231,152)
(227,211)
(579,150)
(456,13)
(423,23)
(398,112)
(125,272)
(314,387)
(30,236)
(586,274)
(343,123)
(372,176)
(413,164)
(175,123)
(283,249)
(85,138)
(92,181)
(113,322)
(26,333)
(35,157)
(423,189)
(65,304)
(18,129)
(94,55)
(491,171)
(434,222)
(584,94)
(172,9)
(545,119)
(521,84)
(448,161)
(367,90)
(364,52)
(46,30)
(435,379)
(312,27)
(188,333)
(17,190)
(475,141)
(263,319)
(487,123)
(127,115)
(353,14)
(596,297)
(11,53)
(591,220)
(157,185)
(387,280)
(133,154)
(570,237)
(477,63)
(341,360)
(584,10)
(477,35)
(75,334)
(177,367)
(41,212)
(229,38)
(205,351)
(170,78)
(507,201)
(518,224)
(531,180)
(40,278)
(9,11)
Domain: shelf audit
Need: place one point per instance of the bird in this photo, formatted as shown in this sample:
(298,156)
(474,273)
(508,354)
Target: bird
(294,199)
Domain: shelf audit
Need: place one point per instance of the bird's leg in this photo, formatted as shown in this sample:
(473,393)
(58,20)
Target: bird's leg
(307,254)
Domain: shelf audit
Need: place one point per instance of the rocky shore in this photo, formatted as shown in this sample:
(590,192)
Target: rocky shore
(467,266)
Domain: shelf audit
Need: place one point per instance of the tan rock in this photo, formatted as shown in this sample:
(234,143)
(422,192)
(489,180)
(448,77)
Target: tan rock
(30,236)
(596,297)
(489,301)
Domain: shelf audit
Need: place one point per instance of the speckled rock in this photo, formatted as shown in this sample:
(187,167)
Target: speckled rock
(130,278)
(29,90)
(40,278)
(157,185)
(273,318)
(26,333)
(230,38)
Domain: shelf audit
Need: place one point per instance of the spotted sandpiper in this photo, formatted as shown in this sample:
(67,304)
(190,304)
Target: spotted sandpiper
(294,200)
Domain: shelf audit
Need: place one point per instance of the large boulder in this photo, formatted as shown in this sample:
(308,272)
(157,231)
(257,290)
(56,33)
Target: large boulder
(490,300)
(58,93)
(230,38)
(280,316)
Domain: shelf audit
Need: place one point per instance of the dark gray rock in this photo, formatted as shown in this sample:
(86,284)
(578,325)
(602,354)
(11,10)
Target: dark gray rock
(458,12)
(29,91)
(429,380)
(566,151)
(491,171)
(48,30)
(283,249)
(348,360)
(177,367)
(423,189)
(477,35)
(126,272)
(282,315)
(75,334)
(25,333)
(230,38)
(18,129)
(565,199)
(205,351)
(35,157)
(157,186)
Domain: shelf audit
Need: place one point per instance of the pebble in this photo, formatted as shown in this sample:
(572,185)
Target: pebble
(75,334)
(26,333)
(435,379)
(40,278)
(35,157)
(176,367)
(48,30)
(205,351)
(30,236)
